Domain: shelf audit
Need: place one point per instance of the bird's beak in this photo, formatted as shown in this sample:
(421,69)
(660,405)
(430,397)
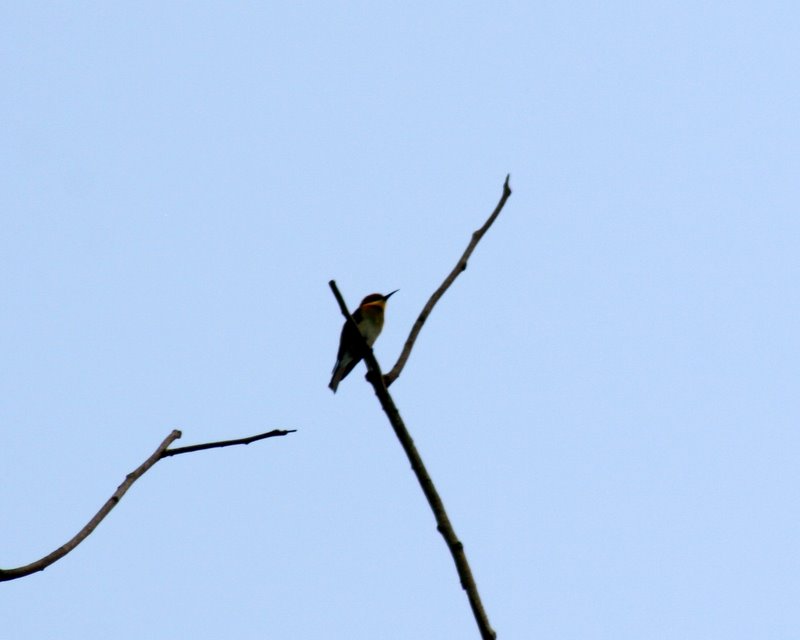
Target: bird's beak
(389,295)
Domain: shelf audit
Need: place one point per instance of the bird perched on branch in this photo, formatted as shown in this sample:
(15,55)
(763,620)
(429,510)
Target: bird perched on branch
(369,319)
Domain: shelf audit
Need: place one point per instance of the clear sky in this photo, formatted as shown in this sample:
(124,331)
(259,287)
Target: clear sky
(607,398)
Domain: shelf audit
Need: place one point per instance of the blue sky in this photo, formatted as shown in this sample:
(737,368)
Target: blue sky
(606,398)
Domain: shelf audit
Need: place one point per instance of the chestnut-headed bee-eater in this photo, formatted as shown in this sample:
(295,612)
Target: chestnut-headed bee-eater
(369,319)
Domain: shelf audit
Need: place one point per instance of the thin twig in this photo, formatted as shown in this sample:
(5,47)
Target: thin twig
(161,452)
(443,524)
(226,443)
(461,265)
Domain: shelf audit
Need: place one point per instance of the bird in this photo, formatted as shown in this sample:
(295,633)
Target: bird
(369,319)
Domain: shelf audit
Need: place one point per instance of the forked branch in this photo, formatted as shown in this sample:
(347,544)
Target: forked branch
(461,265)
(163,451)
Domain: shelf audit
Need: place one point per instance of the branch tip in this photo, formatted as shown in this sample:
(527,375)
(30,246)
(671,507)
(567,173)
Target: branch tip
(461,266)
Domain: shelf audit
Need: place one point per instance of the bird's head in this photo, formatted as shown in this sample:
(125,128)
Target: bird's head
(372,298)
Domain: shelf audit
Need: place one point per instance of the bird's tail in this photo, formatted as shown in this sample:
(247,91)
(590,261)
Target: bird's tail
(343,366)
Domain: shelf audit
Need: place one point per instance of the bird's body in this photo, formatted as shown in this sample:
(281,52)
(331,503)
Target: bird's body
(369,319)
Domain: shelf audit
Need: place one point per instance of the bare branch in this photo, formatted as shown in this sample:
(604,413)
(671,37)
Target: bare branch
(43,563)
(443,524)
(461,265)
(226,443)
(161,452)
